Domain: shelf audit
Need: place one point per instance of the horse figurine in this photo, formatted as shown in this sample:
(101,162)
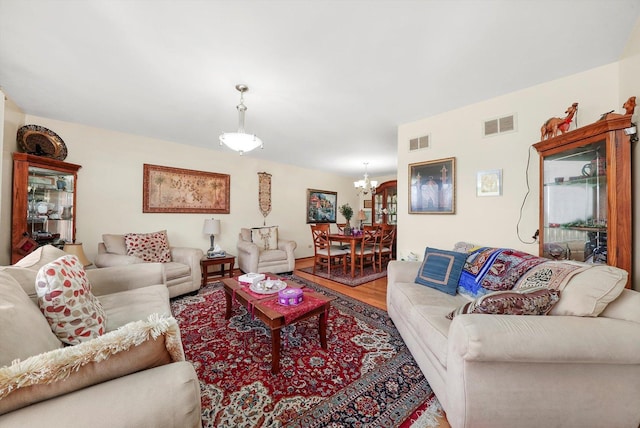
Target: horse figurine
(628,107)
(553,125)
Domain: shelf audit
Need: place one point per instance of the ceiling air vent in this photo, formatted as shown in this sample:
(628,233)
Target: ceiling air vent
(499,125)
(419,143)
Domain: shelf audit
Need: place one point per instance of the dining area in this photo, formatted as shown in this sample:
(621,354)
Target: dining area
(350,251)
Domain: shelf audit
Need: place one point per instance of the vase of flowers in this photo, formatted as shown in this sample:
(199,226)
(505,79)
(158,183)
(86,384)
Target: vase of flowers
(347,213)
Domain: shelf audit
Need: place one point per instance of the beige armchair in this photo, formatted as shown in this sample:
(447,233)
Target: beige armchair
(182,273)
(266,252)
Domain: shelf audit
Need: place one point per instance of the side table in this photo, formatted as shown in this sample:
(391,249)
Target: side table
(205,263)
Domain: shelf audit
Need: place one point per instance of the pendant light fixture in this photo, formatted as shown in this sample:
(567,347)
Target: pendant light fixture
(240,141)
(365,186)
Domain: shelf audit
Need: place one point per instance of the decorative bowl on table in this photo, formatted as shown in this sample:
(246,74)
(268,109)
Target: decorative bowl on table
(268,286)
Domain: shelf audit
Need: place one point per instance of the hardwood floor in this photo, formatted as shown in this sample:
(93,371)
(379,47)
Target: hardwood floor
(373,293)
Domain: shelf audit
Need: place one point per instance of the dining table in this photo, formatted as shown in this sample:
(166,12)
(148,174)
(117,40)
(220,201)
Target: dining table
(353,241)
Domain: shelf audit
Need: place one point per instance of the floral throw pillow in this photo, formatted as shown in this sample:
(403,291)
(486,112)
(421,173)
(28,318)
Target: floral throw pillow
(150,247)
(65,298)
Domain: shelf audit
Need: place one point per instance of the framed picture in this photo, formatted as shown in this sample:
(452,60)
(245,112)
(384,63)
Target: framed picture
(321,206)
(368,203)
(432,187)
(175,190)
(489,183)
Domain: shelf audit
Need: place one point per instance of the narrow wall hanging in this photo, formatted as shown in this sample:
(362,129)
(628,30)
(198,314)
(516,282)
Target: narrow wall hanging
(264,194)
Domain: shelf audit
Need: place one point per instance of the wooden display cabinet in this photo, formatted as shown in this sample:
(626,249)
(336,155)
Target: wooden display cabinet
(585,195)
(385,203)
(44,203)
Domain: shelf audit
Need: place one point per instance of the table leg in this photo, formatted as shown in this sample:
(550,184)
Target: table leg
(231,269)
(353,258)
(322,327)
(275,351)
(227,313)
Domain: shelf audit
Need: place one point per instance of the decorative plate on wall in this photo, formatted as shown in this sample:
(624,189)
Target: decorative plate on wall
(40,141)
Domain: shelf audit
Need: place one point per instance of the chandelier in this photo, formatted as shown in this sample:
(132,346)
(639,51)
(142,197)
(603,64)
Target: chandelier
(241,141)
(365,186)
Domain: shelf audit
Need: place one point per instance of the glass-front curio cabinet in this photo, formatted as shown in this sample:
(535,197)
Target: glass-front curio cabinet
(44,203)
(585,195)
(385,203)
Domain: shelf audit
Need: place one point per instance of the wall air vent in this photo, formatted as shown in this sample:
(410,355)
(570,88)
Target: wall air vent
(419,143)
(499,125)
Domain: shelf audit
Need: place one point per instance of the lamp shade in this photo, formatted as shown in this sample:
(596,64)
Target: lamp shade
(78,251)
(361,215)
(211,227)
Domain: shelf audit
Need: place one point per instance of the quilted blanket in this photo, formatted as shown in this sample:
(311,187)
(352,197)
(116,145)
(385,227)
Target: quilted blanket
(494,269)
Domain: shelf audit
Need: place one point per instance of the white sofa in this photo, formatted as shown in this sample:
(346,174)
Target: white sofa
(134,375)
(524,371)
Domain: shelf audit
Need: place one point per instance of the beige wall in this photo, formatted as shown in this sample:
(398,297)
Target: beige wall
(458,133)
(630,85)
(14,118)
(110,188)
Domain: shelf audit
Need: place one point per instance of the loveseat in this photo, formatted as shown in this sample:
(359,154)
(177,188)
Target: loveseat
(133,375)
(181,265)
(578,366)
(260,249)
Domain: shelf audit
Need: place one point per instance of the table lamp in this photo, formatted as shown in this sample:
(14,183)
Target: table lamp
(77,250)
(212,227)
(362,217)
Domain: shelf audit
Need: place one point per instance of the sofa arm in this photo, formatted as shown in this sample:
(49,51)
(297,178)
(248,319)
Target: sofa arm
(104,260)
(401,271)
(190,257)
(543,339)
(248,256)
(167,396)
(120,278)
(287,245)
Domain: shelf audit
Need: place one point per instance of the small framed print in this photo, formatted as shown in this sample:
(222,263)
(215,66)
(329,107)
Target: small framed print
(368,203)
(489,183)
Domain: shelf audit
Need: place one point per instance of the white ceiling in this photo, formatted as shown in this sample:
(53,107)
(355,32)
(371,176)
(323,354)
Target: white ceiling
(329,81)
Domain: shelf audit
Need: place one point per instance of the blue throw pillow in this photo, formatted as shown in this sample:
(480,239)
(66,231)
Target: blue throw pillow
(441,269)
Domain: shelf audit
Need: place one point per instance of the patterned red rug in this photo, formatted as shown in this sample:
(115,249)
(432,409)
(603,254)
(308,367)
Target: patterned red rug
(367,376)
(338,276)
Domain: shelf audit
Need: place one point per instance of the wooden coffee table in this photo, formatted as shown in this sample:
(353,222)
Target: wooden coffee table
(275,318)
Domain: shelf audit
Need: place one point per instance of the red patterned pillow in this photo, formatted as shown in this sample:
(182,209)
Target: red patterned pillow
(150,247)
(530,301)
(65,298)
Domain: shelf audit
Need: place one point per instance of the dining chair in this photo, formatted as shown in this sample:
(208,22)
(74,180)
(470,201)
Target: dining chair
(384,248)
(366,252)
(325,253)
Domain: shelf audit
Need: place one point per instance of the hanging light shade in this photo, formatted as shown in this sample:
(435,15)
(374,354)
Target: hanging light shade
(365,186)
(240,141)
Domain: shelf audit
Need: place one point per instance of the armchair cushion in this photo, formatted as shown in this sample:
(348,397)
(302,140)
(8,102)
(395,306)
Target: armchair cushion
(136,346)
(150,247)
(266,238)
(65,299)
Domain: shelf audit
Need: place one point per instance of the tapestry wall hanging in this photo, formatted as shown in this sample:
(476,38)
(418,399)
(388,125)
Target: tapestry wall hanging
(264,194)
(175,190)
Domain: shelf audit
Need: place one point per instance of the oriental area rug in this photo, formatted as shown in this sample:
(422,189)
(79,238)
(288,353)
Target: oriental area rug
(337,275)
(366,377)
